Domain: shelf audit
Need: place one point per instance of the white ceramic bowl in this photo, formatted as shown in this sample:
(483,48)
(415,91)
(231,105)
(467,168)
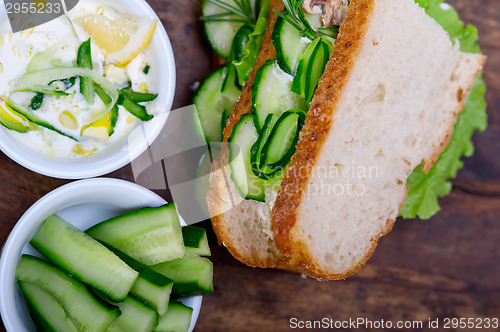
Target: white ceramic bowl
(82,203)
(119,155)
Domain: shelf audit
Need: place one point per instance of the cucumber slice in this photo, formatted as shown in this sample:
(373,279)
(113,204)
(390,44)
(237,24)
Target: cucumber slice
(240,40)
(134,108)
(258,167)
(151,235)
(311,67)
(271,93)
(139,97)
(211,103)
(135,317)
(84,258)
(78,304)
(41,60)
(150,286)
(178,318)
(195,240)
(280,146)
(221,34)
(84,60)
(46,312)
(230,83)
(289,45)
(192,275)
(242,139)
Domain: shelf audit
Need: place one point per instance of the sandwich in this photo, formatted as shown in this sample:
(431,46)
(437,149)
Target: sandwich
(347,102)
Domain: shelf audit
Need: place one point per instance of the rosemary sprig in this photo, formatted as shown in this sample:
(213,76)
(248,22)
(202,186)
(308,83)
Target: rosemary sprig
(294,14)
(243,12)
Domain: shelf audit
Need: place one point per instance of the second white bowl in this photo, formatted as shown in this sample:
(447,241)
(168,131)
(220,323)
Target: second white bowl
(83,203)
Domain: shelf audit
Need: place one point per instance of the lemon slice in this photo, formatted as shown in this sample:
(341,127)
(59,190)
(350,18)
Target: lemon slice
(121,39)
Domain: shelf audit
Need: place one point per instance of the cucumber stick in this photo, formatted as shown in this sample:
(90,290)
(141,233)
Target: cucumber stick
(195,240)
(150,235)
(271,93)
(178,318)
(78,304)
(135,317)
(192,275)
(150,286)
(84,258)
(84,60)
(45,310)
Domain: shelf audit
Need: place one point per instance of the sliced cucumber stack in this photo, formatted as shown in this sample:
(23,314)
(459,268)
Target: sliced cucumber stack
(84,258)
(271,93)
(150,235)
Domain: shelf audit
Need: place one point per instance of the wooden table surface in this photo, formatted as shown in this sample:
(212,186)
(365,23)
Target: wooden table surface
(448,266)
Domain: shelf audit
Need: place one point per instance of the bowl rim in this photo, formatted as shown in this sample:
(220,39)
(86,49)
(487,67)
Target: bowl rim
(71,194)
(121,157)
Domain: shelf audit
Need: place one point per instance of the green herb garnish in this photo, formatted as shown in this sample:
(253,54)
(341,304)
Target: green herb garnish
(37,101)
(146,69)
(294,14)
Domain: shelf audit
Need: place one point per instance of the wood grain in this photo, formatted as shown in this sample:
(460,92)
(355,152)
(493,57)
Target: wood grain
(448,266)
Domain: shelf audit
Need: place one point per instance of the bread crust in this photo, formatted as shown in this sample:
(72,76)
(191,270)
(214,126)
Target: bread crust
(312,138)
(462,98)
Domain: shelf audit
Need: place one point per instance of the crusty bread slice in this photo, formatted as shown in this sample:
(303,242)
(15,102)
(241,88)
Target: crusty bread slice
(387,101)
(392,88)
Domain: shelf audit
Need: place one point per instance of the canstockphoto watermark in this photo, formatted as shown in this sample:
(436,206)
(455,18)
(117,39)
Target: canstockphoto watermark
(354,323)
(27,14)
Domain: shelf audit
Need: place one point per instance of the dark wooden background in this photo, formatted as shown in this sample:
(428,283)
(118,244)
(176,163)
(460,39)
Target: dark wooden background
(448,266)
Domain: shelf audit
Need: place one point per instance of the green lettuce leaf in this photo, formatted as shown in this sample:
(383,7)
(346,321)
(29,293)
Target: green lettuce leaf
(252,48)
(425,189)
